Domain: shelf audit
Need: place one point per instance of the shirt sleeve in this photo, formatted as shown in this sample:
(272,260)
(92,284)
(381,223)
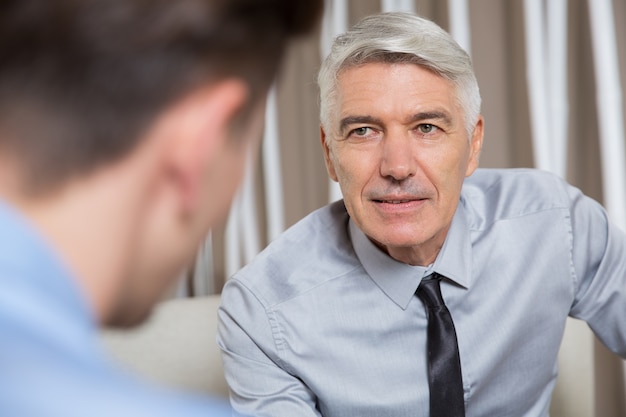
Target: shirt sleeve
(599,272)
(258,381)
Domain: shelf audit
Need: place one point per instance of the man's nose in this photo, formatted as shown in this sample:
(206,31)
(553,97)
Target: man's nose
(397,159)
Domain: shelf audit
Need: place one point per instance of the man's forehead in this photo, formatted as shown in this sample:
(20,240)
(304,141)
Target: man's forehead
(378,77)
(415,91)
(352,69)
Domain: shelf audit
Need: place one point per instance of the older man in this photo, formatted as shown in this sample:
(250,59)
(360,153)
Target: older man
(433,288)
(124,127)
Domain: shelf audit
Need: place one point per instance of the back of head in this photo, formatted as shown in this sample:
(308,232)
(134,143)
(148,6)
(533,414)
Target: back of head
(399,38)
(80,80)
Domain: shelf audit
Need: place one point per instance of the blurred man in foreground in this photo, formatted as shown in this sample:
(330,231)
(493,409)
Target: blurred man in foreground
(124,127)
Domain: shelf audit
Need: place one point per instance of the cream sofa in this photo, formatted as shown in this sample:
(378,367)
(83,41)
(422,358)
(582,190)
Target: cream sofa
(177,347)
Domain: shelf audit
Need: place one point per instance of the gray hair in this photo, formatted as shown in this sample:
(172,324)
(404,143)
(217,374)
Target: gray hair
(400,38)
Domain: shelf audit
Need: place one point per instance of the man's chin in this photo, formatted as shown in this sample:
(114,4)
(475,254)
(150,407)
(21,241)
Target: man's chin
(128,318)
(398,238)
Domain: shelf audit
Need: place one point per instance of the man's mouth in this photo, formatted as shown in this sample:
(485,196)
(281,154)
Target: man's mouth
(396,201)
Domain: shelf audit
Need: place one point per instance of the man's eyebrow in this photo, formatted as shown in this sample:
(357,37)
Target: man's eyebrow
(442,116)
(432,115)
(351,120)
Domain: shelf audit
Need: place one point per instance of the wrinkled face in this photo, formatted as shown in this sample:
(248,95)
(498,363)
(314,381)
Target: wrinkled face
(400,152)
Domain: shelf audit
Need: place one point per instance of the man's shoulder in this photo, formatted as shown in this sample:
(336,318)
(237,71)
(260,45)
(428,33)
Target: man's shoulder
(495,194)
(316,249)
(52,380)
(489,179)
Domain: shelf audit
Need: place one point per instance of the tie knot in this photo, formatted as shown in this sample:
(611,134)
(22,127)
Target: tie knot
(429,291)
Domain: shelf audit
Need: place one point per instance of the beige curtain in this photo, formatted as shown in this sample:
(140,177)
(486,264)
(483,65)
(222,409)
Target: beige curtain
(497,30)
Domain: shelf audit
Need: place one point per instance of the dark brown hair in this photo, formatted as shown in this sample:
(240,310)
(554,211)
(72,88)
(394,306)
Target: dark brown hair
(80,80)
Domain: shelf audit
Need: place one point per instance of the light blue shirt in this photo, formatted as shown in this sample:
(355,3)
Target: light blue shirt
(51,364)
(322,323)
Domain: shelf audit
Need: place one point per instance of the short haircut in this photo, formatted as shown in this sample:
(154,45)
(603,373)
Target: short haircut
(81,80)
(400,38)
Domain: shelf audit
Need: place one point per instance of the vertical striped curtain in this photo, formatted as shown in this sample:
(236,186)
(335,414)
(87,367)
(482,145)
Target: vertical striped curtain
(552,76)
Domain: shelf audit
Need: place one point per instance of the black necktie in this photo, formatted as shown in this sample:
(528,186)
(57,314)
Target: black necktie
(444,365)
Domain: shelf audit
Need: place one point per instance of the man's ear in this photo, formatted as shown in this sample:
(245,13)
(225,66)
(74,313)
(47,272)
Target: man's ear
(194,132)
(329,163)
(476,145)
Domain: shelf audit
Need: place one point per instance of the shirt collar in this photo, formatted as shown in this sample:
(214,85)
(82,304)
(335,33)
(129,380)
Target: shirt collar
(398,280)
(455,258)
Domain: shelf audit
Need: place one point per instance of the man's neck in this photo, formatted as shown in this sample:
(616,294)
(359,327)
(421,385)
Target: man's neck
(96,252)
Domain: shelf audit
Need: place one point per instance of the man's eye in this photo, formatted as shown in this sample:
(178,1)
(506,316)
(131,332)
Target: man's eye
(426,128)
(361,131)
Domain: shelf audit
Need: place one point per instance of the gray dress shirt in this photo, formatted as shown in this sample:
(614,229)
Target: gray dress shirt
(322,323)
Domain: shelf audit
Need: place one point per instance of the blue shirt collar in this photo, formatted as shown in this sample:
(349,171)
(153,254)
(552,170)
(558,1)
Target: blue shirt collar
(398,280)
